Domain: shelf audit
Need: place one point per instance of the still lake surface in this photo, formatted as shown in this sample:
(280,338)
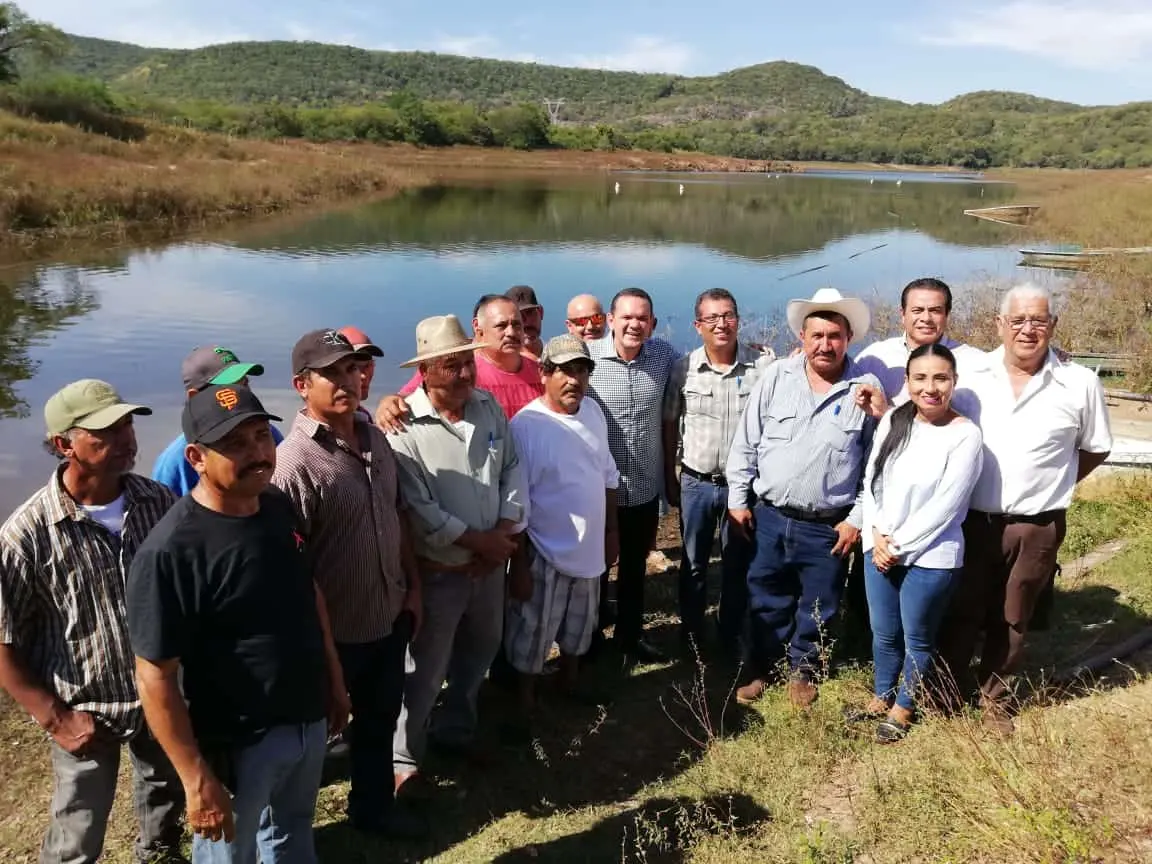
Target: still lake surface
(129,315)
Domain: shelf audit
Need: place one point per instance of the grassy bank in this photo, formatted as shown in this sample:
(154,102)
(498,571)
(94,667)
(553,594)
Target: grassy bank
(670,771)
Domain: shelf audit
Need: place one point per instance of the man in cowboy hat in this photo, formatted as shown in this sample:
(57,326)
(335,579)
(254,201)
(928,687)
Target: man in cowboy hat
(339,471)
(794,481)
(460,481)
(531,315)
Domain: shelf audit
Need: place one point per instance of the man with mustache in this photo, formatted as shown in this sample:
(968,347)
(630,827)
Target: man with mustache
(531,315)
(586,319)
(222,591)
(794,475)
(1045,427)
(628,382)
(502,369)
(571,480)
(65,655)
(460,478)
(202,368)
(925,305)
(706,396)
(340,472)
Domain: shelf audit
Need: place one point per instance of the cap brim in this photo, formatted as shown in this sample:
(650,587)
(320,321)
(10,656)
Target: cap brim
(524,306)
(854,310)
(568,358)
(370,349)
(221,430)
(335,357)
(233,373)
(444,352)
(106,417)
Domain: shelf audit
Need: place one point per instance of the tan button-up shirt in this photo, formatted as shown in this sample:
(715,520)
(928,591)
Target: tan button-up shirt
(348,501)
(456,479)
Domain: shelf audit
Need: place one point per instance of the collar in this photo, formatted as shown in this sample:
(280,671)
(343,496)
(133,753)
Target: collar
(1052,365)
(314,428)
(796,365)
(745,356)
(610,352)
(61,506)
(421,406)
(948,342)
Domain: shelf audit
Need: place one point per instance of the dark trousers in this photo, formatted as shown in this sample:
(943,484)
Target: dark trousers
(1007,566)
(794,587)
(703,508)
(637,537)
(374,675)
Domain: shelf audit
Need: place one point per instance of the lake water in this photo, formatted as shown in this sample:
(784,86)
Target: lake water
(129,315)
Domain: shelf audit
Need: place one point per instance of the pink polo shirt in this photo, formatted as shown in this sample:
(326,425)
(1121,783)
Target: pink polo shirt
(511,390)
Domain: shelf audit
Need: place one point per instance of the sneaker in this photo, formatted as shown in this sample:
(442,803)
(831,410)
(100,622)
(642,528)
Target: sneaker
(802,692)
(752,692)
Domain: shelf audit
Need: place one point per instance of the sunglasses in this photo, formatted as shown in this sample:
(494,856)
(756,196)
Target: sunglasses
(599,320)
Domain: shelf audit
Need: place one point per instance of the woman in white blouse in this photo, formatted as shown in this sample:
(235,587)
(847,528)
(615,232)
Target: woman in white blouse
(924,463)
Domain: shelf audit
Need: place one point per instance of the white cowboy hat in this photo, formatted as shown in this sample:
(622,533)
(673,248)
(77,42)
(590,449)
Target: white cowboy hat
(830,300)
(440,335)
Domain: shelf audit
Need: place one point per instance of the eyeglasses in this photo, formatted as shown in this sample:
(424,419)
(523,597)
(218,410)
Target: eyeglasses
(1018,322)
(598,320)
(714,320)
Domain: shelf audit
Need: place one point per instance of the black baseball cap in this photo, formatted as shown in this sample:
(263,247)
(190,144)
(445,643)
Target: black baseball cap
(217,410)
(523,296)
(212,364)
(319,349)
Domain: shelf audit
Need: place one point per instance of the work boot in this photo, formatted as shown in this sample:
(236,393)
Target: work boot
(752,692)
(802,692)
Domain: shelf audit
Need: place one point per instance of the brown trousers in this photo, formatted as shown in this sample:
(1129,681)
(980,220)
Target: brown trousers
(1008,561)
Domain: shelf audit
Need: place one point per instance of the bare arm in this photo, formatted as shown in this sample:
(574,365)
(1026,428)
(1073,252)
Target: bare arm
(611,528)
(338,700)
(209,805)
(671,431)
(28,691)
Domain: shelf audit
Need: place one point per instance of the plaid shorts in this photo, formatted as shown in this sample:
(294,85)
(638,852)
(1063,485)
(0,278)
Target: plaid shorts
(563,609)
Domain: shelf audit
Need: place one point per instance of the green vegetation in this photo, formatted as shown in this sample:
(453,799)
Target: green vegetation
(23,38)
(778,110)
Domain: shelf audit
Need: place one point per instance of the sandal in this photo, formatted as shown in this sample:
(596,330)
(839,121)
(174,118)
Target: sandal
(888,731)
(854,715)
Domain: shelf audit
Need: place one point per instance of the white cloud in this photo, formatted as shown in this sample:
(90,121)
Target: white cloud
(478,45)
(1107,35)
(641,54)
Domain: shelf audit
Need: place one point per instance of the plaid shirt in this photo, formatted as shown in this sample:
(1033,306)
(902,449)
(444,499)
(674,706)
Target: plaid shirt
(707,402)
(62,580)
(632,394)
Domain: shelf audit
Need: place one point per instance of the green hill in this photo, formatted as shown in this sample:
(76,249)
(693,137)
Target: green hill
(1003,100)
(314,74)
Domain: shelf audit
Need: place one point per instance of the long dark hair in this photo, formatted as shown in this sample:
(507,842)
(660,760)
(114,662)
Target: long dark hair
(902,417)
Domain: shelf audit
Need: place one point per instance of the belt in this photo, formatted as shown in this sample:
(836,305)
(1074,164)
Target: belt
(825,517)
(1044,518)
(714,479)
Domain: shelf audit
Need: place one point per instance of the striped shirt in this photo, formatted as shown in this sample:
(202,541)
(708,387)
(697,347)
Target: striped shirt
(348,503)
(707,403)
(802,449)
(62,578)
(631,393)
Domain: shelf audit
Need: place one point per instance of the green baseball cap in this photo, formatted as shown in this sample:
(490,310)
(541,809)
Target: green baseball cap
(87,404)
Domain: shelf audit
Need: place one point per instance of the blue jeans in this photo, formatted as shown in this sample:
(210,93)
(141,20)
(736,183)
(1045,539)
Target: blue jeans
(906,606)
(794,586)
(702,506)
(277,780)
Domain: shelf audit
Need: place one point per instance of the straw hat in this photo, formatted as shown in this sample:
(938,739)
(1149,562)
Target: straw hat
(440,335)
(830,300)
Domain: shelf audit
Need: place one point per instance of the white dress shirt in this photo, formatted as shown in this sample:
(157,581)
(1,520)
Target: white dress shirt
(888,359)
(1032,444)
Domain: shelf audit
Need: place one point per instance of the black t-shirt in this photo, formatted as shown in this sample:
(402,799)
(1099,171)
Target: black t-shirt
(232,597)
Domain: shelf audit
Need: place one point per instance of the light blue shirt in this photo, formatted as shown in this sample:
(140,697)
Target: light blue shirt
(802,449)
(176,472)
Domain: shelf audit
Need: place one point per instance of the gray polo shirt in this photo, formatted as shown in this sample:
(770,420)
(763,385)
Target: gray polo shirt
(456,477)
(797,448)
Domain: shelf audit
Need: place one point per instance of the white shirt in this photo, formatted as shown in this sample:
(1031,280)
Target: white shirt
(888,360)
(110,515)
(1032,444)
(922,498)
(566,464)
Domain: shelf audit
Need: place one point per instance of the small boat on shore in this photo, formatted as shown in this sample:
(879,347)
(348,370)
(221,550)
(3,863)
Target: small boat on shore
(1006,214)
(1075,257)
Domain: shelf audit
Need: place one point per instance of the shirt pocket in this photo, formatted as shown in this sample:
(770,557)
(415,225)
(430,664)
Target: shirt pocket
(844,429)
(778,426)
(699,401)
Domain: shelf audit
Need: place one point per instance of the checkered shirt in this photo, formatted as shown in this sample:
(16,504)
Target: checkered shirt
(632,394)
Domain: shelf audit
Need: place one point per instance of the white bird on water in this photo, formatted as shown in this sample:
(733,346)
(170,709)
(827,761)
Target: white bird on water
(617,188)
(681,188)
(898,182)
(871,181)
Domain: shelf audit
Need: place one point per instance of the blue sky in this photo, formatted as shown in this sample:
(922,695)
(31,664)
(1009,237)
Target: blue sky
(1087,51)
